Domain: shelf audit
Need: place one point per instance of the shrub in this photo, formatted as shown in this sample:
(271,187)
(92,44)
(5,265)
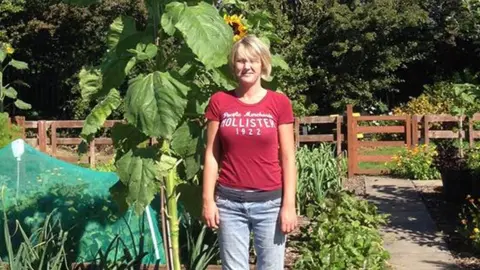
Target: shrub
(469,226)
(416,163)
(8,133)
(319,171)
(343,234)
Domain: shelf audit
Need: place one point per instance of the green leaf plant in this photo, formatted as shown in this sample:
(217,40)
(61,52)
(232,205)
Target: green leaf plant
(465,98)
(168,89)
(7,90)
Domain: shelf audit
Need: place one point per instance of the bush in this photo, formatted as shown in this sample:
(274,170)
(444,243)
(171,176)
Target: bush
(416,163)
(8,133)
(470,223)
(319,171)
(343,234)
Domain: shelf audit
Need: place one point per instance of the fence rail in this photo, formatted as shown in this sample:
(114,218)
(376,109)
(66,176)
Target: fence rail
(346,132)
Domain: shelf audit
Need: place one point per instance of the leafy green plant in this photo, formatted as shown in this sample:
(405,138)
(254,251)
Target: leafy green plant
(464,98)
(164,101)
(42,250)
(8,132)
(472,159)
(416,163)
(319,172)
(7,90)
(469,226)
(343,234)
(201,244)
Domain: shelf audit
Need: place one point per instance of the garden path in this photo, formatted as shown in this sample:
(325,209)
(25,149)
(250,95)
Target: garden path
(411,236)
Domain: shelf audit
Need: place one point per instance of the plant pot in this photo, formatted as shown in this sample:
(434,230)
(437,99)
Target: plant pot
(457,184)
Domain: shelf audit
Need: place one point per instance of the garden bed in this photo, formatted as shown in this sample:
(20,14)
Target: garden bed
(445,215)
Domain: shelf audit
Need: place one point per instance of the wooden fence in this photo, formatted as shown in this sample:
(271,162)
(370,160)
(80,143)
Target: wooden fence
(346,131)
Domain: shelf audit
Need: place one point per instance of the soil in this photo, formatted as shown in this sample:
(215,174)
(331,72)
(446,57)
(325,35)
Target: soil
(445,214)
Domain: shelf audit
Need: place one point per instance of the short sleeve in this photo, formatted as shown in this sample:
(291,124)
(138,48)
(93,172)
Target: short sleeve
(212,111)
(285,114)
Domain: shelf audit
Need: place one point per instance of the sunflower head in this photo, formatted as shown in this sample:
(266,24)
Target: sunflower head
(8,48)
(238,27)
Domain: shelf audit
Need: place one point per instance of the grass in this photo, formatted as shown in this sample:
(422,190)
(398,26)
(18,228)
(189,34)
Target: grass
(374,151)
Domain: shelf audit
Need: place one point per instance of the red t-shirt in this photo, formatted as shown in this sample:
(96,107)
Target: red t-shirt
(249,139)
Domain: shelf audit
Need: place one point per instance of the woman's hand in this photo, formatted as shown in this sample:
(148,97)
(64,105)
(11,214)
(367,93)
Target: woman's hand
(288,219)
(210,214)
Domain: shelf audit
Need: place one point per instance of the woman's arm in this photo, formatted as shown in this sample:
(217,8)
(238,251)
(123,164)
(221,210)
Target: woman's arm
(210,172)
(288,213)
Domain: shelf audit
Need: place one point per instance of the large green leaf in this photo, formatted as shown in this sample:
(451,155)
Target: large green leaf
(90,82)
(22,105)
(203,29)
(277,61)
(119,194)
(100,113)
(188,143)
(155,103)
(3,55)
(11,92)
(18,64)
(126,137)
(123,35)
(137,171)
(170,17)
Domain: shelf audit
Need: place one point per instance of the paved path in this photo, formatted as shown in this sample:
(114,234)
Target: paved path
(411,237)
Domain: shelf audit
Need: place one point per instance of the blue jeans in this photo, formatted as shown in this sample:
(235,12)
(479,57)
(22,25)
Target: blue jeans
(237,220)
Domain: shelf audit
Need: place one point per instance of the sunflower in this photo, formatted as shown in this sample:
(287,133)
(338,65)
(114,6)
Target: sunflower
(239,29)
(8,48)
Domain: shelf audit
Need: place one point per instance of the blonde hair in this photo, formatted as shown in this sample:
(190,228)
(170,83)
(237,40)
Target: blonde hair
(252,47)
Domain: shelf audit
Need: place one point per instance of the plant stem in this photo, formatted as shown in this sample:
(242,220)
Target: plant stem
(1,90)
(460,136)
(173,217)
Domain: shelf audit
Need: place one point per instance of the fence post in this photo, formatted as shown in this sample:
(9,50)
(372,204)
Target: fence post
(53,141)
(20,121)
(296,130)
(415,130)
(408,131)
(351,141)
(470,131)
(339,135)
(91,158)
(42,136)
(426,120)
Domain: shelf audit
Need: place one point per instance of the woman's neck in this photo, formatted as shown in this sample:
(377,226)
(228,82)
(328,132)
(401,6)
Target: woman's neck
(249,91)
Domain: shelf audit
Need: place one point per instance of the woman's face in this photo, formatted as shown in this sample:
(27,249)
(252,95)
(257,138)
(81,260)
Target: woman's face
(248,68)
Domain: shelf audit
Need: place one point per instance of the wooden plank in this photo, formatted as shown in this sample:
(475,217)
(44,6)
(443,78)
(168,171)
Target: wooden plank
(408,132)
(382,118)
(317,119)
(442,118)
(476,117)
(426,138)
(444,134)
(373,171)
(92,154)
(381,143)
(351,141)
(31,124)
(103,141)
(69,123)
(317,138)
(471,139)
(376,158)
(68,141)
(415,133)
(297,132)
(42,136)
(339,136)
(475,134)
(381,129)
(54,138)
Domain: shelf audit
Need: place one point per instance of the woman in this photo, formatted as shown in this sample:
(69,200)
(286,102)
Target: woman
(249,177)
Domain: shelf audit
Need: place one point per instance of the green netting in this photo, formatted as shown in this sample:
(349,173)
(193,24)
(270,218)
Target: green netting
(39,183)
